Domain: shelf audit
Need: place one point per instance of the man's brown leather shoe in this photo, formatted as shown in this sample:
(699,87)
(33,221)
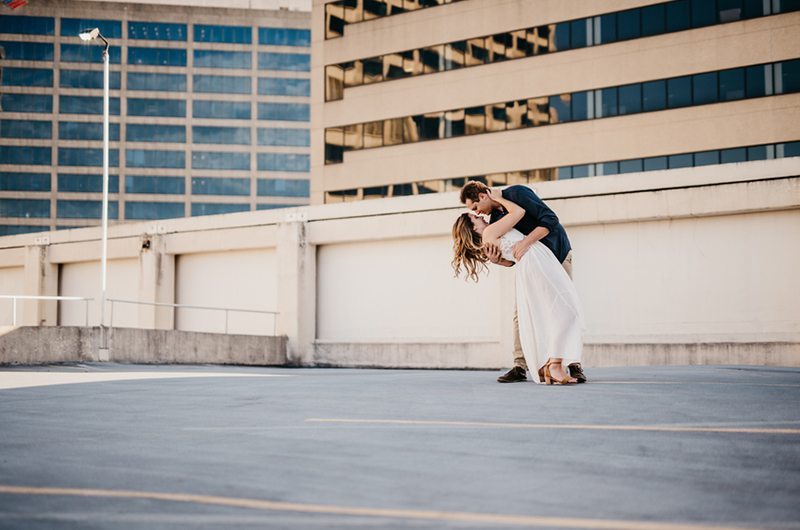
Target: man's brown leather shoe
(515,375)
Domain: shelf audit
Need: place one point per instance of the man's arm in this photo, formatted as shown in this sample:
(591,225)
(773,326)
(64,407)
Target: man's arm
(493,253)
(545,218)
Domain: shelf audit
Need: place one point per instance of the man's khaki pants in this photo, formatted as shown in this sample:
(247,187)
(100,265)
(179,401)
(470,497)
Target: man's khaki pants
(519,357)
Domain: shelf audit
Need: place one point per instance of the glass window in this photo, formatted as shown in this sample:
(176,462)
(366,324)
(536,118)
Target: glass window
(82,53)
(678,16)
(26,103)
(334,82)
(679,92)
(165,159)
(156,31)
(605,28)
(560,108)
(285,137)
(157,107)
(156,56)
(706,158)
(81,156)
(283,187)
(24,181)
(334,20)
(221,84)
(495,117)
(334,145)
(221,59)
(159,82)
(74,130)
(224,34)
(86,105)
(25,129)
(221,135)
(27,77)
(11,230)
(220,160)
(731,84)
(392,66)
(730,10)
(729,156)
(758,80)
(283,162)
(284,111)
(108,28)
(291,62)
(234,110)
(678,161)
(606,102)
(759,152)
(755,8)
(284,37)
(704,88)
(140,132)
(37,208)
(373,134)
(631,166)
(276,206)
(583,171)
(609,168)
(284,87)
(564,173)
(156,185)
(353,137)
(432,59)
(518,45)
(791,149)
(215,208)
(517,115)
(653,20)
(654,96)
(789,77)
(655,163)
(70,209)
(704,13)
(628,24)
(153,210)
(27,51)
(454,124)
(22,25)
(475,120)
(538,112)
(561,37)
(373,69)
(220,186)
(581,31)
(87,79)
(86,183)
(582,106)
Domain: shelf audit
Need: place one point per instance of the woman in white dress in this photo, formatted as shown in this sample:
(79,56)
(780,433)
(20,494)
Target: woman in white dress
(550,321)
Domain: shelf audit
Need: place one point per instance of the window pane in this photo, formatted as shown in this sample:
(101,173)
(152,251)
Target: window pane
(284,87)
(561,37)
(34,156)
(27,77)
(730,10)
(610,168)
(496,117)
(729,156)
(26,103)
(373,134)
(86,183)
(454,123)
(79,156)
(283,111)
(138,132)
(22,25)
(157,107)
(731,84)
(157,185)
(217,208)
(291,62)
(654,96)
(220,160)
(220,186)
(755,8)
(516,115)
(679,92)
(353,137)
(538,111)
(86,105)
(560,108)
(156,31)
(24,208)
(221,135)
(162,82)
(704,87)
(678,161)
(10,230)
(108,28)
(655,163)
(653,20)
(706,158)
(287,137)
(71,130)
(27,51)
(157,56)
(373,69)
(334,145)
(165,159)
(432,59)
(283,162)
(25,129)
(678,16)
(66,209)
(628,25)
(24,181)
(224,34)
(284,37)
(791,149)
(631,166)
(81,53)
(283,187)
(87,79)
(221,59)
(607,31)
(789,77)
(582,171)
(759,81)
(759,152)
(153,210)
(704,13)
(474,120)
(334,82)
(581,31)
(234,110)
(221,84)
(582,105)
(608,102)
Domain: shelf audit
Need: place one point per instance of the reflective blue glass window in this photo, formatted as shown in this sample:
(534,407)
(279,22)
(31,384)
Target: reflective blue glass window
(284,87)
(785,6)
(283,162)
(70,209)
(653,20)
(83,156)
(678,161)
(220,186)
(564,173)
(234,110)
(561,40)
(220,160)
(581,31)
(283,187)
(704,13)
(754,8)
(560,108)
(284,37)
(789,80)
(25,129)
(206,208)
(22,25)
(156,185)
(654,95)
(87,53)
(582,171)
(759,80)
(27,77)
(157,56)
(27,51)
(88,79)
(631,166)
(222,84)
(581,105)
(655,163)
(153,210)
(221,135)
(759,152)
(163,82)
(706,158)
(704,88)
(679,92)
(607,32)
(157,107)
(86,183)
(628,25)
(28,156)
(609,168)
(26,103)
(730,10)
(608,102)
(165,159)
(678,15)
(221,59)
(110,29)
(226,34)
(292,62)
(24,181)
(37,208)
(140,132)
(731,84)
(87,105)
(73,130)
(791,149)
(10,230)
(288,137)
(274,206)
(729,156)
(284,111)
(156,31)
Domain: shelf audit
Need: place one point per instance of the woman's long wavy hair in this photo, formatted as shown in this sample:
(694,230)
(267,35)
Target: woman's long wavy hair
(467,249)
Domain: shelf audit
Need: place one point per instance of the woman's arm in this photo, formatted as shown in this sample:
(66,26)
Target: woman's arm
(495,230)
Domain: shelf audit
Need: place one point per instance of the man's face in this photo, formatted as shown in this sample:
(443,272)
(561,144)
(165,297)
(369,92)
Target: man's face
(483,205)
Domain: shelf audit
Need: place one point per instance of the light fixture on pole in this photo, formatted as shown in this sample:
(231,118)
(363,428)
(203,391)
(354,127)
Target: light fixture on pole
(88,35)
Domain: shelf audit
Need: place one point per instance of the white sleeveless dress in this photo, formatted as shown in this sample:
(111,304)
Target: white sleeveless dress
(548,309)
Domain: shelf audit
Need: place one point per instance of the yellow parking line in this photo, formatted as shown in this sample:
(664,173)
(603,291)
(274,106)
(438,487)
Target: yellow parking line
(569,426)
(328,509)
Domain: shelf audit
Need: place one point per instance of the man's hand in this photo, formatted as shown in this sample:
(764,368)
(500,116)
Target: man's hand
(493,253)
(520,249)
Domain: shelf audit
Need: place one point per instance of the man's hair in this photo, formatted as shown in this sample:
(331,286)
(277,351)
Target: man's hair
(471,190)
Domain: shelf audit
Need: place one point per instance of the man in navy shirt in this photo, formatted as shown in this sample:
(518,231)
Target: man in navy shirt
(539,223)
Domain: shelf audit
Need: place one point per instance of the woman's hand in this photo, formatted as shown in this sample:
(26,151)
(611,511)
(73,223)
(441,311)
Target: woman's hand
(520,249)
(495,194)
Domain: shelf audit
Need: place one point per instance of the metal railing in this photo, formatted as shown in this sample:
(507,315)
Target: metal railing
(14,298)
(227,310)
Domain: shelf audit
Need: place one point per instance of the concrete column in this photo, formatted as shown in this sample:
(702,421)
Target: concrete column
(41,279)
(156,283)
(297,278)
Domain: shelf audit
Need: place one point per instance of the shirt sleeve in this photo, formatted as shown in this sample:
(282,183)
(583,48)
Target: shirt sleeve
(533,206)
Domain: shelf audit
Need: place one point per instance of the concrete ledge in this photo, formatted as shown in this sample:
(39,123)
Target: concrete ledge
(443,355)
(747,353)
